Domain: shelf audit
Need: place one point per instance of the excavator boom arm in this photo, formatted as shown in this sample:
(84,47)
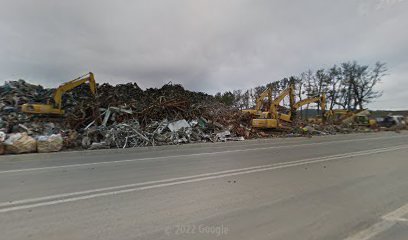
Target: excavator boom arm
(288,91)
(260,99)
(321,100)
(73,84)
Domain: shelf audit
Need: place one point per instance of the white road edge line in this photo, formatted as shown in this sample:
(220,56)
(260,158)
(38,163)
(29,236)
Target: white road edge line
(191,155)
(387,221)
(198,178)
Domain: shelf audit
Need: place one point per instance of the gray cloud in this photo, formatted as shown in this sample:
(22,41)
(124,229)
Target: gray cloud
(205,45)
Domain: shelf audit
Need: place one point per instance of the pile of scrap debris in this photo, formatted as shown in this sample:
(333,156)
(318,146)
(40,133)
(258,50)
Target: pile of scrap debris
(120,116)
(270,114)
(88,116)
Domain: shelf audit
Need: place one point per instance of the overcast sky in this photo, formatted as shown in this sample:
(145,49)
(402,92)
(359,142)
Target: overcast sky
(206,45)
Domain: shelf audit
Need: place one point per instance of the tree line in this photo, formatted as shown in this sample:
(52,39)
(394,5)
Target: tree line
(349,85)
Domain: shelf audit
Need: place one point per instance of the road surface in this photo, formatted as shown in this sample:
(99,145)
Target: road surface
(350,187)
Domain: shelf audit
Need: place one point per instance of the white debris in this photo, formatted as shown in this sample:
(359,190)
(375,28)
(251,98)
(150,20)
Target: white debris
(2,136)
(222,136)
(177,125)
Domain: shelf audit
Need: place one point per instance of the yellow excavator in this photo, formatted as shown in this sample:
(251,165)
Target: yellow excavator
(319,99)
(274,118)
(55,108)
(271,118)
(274,113)
(259,102)
(359,117)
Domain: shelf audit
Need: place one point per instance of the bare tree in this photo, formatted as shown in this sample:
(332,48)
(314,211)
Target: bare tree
(334,89)
(360,81)
(364,91)
(349,86)
(246,99)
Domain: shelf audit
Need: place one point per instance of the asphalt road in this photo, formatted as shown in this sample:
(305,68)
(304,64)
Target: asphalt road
(350,187)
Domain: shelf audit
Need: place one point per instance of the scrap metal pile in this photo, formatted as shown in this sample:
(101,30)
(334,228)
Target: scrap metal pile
(125,116)
(120,116)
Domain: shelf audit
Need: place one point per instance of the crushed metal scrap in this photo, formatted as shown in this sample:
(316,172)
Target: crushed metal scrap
(125,116)
(120,116)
